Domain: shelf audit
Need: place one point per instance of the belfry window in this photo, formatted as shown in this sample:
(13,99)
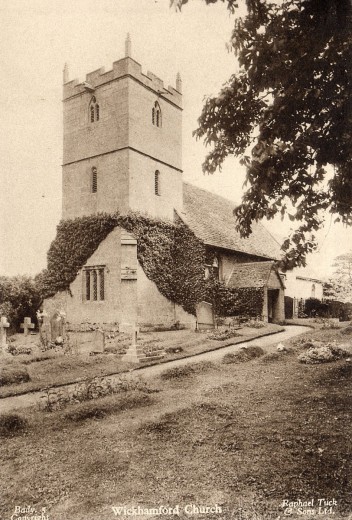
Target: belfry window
(94,283)
(94,180)
(94,111)
(157,182)
(156,114)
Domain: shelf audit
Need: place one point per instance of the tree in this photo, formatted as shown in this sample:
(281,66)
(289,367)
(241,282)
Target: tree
(19,297)
(339,286)
(288,115)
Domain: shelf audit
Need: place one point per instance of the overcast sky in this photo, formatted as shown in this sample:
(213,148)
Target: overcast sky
(37,38)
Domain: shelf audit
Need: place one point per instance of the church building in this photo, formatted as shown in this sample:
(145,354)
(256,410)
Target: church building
(122,151)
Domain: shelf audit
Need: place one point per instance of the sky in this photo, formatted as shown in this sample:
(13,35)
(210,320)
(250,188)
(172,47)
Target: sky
(37,38)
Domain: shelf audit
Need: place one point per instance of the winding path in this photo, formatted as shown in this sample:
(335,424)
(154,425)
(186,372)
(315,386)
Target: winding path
(8,404)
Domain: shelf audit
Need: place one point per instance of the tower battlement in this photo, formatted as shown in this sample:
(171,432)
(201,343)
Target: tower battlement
(122,142)
(125,67)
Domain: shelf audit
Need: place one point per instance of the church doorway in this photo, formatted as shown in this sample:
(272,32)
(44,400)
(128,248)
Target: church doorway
(273,305)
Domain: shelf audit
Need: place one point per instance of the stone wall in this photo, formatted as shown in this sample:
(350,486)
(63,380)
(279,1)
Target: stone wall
(154,308)
(303,287)
(112,186)
(129,296)
(123,145)
(142,190)
(163,142)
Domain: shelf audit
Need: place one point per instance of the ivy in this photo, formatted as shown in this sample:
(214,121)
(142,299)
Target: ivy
(76,240)
(169,253)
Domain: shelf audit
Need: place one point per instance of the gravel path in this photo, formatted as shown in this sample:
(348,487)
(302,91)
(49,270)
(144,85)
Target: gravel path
(8,404)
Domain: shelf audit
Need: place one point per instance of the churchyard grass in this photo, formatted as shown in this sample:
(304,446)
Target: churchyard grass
(246,436)
(55,367)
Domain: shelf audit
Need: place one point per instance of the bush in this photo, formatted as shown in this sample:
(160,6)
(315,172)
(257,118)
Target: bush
(272,356)
(13,374)
(12,424)
(186,370)
(255,323)
(243,355)
(324,354)
(314,307)
(222,335)
(347,330)
(174,350)
(330,324)
(17,350)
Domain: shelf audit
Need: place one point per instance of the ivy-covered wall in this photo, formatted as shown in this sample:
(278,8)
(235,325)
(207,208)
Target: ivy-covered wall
(169,253)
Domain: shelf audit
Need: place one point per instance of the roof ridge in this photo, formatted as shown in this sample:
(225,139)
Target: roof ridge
(211,193)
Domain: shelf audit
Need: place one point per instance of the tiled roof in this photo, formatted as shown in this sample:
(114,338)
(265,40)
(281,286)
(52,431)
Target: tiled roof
(250,274)
(211,219)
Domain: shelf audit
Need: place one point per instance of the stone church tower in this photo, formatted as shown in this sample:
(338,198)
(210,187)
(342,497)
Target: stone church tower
(122,145)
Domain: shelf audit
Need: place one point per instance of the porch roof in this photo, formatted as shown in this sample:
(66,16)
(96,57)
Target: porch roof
(252,274)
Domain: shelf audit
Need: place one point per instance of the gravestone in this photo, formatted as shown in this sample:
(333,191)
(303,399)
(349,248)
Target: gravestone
(98,341)
(57,327)
(4,324)
(205,316)
(44,328)
(27,325)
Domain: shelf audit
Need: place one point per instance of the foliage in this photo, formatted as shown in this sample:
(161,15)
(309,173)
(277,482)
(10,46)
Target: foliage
(227,301)
(13,374)
(328,309)
(76,240)
(288,115)
(93,388)
(347,330)
(314,307)
(243,355)
(223,334)
(19,298)
(12,424)
(179,372)
(323,354)
(339,286)
(177,271)
(255,323)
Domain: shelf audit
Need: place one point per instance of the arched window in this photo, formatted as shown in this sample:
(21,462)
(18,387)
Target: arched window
(94,111)
(313,290)
(157,182)
(156,114)
(94,180)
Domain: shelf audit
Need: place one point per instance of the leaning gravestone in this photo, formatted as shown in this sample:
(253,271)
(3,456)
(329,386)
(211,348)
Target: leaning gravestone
(4,324)
(205,316)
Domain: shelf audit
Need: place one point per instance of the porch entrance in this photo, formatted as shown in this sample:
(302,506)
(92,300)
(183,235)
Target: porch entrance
(273,305)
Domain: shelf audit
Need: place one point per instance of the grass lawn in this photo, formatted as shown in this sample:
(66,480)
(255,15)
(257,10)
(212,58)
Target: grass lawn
(53,367)
(245,436)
